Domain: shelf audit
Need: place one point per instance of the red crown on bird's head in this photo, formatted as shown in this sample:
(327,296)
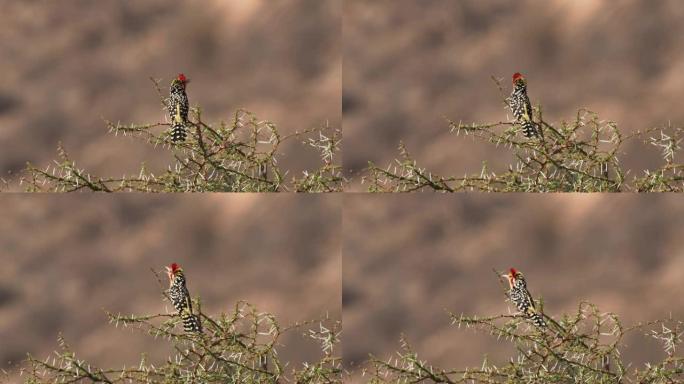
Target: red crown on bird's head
(181,77)
(512,275)
(518,76)
(173,268)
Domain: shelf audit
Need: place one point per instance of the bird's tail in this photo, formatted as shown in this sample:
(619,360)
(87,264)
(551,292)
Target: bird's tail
(191,323)
(178,132)
(530,128)
(538,320)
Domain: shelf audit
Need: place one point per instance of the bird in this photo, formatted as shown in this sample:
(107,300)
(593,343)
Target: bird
(180,298)
(519,103)
(178,107)
(522,299)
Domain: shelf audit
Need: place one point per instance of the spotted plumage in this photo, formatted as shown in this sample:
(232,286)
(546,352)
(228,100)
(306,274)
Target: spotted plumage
(178,107)
(519,104)
(522,299)
(180,299)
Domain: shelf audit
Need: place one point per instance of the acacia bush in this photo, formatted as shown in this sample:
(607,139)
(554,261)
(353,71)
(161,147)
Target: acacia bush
(238,347)
(581,347)
(579,155)
(240,155)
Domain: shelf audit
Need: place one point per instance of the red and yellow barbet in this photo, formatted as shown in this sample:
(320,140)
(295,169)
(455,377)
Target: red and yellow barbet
(522,299)
(180,298)
(520,105)
(178,107)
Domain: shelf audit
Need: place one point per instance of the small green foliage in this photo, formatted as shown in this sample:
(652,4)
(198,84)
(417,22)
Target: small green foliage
(240,347)
(581,155)
(241,155)
(581,347)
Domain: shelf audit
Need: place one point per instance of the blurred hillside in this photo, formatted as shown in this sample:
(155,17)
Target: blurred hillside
(68,64)
(408,258)
(67,259)
(408,64)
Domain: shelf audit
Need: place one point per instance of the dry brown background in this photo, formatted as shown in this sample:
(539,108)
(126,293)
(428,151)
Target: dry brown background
(67,259)
(408,64)
(407,258)
(68,64)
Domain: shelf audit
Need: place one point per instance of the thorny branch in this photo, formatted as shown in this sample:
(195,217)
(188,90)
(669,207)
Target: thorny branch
(580,155)
(239,347)
(241,155)
(581,347)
